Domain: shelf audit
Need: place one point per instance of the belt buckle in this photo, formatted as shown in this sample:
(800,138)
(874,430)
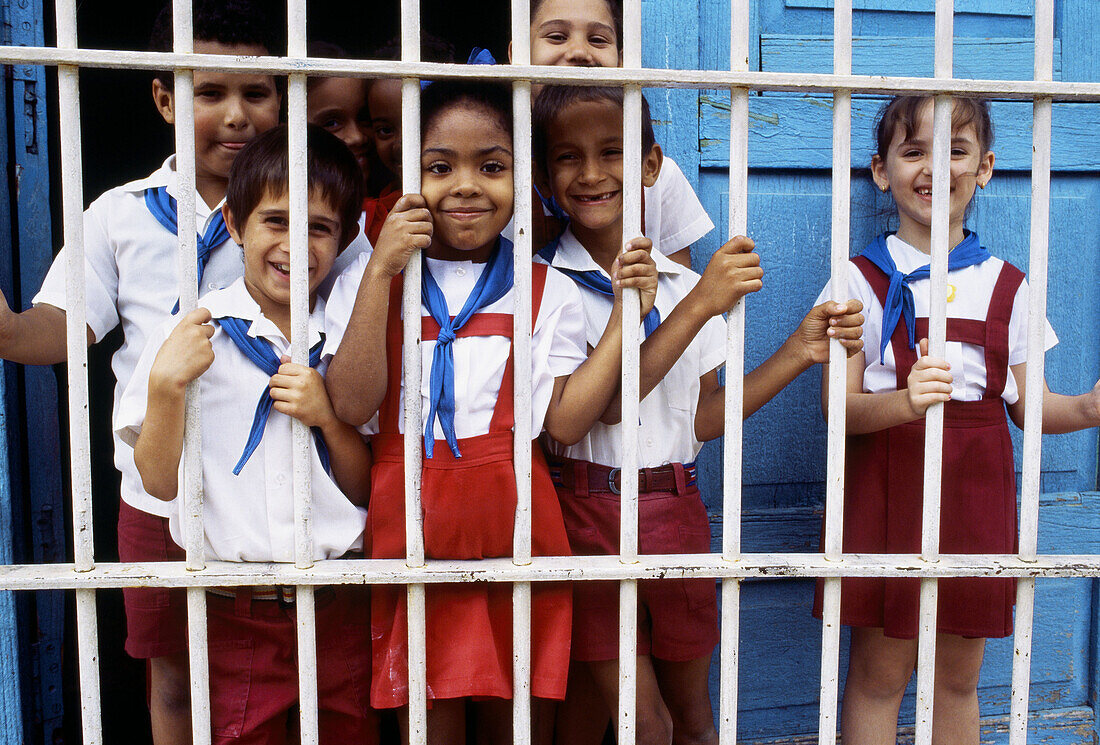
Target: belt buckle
(611,480)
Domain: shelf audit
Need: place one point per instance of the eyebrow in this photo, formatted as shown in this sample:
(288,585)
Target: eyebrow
(564,22)
(482,152)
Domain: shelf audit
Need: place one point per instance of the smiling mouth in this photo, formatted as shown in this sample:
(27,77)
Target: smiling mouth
(465,214)
(233,145)
(595,198)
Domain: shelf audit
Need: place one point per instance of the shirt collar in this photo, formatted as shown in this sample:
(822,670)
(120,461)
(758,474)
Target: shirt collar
(235,301)
(572,255)
(167,177)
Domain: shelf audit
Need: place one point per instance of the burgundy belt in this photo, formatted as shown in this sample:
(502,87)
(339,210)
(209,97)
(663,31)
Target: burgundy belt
(607,480)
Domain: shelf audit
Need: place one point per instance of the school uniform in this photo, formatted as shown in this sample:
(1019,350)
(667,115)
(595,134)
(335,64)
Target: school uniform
(469,499)
(248,515)
(986,333)
(683,620)
(131,279)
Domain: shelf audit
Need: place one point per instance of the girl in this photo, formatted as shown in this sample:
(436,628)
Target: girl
(588,33)
(468,476)
(890,388)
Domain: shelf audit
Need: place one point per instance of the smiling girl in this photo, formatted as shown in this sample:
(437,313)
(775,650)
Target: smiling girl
(468,478)
(891,385)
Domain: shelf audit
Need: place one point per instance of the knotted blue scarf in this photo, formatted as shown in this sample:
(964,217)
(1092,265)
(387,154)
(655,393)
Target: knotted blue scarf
(597,282)
(260,353)
(493,284)
(163,207)
(899,298)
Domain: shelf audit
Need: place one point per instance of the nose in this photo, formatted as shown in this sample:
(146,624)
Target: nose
(354,137)
(578,53)
(466,183)
(234,113)
(590,171)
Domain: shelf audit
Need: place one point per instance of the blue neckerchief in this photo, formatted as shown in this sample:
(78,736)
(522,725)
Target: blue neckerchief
(552,206)
(899,298)
(163,207)
(493,284)
(478,56)
(597,282)
(261,354)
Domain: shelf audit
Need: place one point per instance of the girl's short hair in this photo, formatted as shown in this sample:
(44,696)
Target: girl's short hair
(440,96)
(554,99)
(903,111)
(614,7)
(262,167)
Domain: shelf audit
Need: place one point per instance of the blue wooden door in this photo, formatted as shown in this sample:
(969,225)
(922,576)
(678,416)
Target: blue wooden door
(789,214)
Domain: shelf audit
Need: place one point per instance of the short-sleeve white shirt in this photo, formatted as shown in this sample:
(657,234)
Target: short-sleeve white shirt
(969,292)
(249,517)
(131,278)
(668,412)
(557,344)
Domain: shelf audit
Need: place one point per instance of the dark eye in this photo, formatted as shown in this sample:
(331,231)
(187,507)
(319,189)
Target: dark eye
(332,124)
(320,227)
(613,152)
(494,167)
(208,94)
(382,131)
(599,41)
(276,221)
(556,36)
(258,95)
(438,168)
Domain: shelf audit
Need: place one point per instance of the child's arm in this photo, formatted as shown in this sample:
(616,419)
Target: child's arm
(34,337)
(806,346)
(733,272)
(356,378)
(1061,413)
(929,382)
(579,398)
(299,391)
(185,355)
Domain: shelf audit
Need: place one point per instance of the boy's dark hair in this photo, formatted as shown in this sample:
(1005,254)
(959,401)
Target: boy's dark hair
(432,49)
(445,94)
(554,99)
(903,111)
(614,7)
(231,22)
(323,49)
(262,167)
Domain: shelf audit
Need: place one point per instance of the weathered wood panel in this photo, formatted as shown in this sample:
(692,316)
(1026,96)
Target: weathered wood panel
(984,7)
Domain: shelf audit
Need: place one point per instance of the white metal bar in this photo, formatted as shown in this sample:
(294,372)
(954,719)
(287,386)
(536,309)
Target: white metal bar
(298,193)
(1036,358)
(410,312)
(837,372)
(824,83)
(628,497)
(522,388)
(740,16)
(76,341)
(199,660)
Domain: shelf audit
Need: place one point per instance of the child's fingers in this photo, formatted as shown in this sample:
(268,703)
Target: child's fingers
(641,243)
(848,320)
(419,219)
(409,202)
(738,244)
(924,347)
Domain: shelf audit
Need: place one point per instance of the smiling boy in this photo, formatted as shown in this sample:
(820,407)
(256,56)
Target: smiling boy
(249,508)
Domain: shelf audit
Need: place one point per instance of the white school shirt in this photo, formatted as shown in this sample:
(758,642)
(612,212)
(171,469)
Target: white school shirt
(674,216)
(557,344)
(973,288)
(249,517)
(131,278)
(360,244)
(668,412)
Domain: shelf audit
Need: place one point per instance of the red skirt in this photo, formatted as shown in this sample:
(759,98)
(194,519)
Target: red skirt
(883,499)
(469,507)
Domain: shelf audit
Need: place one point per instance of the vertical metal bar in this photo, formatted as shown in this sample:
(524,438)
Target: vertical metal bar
(183,42)
(937,327)
(76,340)
(1036,358)
(740,15)
(298,193)
(410,312)
(632,223)
(521,345)
(834,481)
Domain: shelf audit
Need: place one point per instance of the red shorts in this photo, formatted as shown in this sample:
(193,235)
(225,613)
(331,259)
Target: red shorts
(254,668)
(156,617)
(677,618)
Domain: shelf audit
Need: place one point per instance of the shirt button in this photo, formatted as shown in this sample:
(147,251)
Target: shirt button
(460,271)
(649,441)
(280,479)
(212,286)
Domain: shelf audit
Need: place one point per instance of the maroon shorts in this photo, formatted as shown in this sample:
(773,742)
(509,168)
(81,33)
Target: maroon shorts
(254,668)
(677,618)
(156,617)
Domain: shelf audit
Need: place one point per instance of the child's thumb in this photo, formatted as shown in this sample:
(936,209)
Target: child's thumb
(924,347)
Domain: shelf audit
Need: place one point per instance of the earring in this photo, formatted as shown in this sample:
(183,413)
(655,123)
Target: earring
(981,184)
(884,188)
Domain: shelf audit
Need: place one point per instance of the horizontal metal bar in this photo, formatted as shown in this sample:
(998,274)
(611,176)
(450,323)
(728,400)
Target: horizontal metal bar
(751,80)
(542,569)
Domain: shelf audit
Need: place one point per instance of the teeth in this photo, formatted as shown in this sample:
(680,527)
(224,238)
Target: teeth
(596,197)
(927,192)
(283,268)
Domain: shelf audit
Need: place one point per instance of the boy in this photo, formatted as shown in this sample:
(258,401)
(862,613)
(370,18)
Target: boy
(130,254)
(249,512)
(578,140)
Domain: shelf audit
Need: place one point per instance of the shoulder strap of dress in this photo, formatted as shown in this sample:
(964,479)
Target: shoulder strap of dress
(996,329)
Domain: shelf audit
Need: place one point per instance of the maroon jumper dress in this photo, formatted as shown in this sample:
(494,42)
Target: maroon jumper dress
(468,508)
(884,482)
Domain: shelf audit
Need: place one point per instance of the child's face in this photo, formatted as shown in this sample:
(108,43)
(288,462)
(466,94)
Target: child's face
(574,32)
(384,102)
(339,105)
(230,109)
(265,236)
(907,172)
(584,161)
(466,179)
